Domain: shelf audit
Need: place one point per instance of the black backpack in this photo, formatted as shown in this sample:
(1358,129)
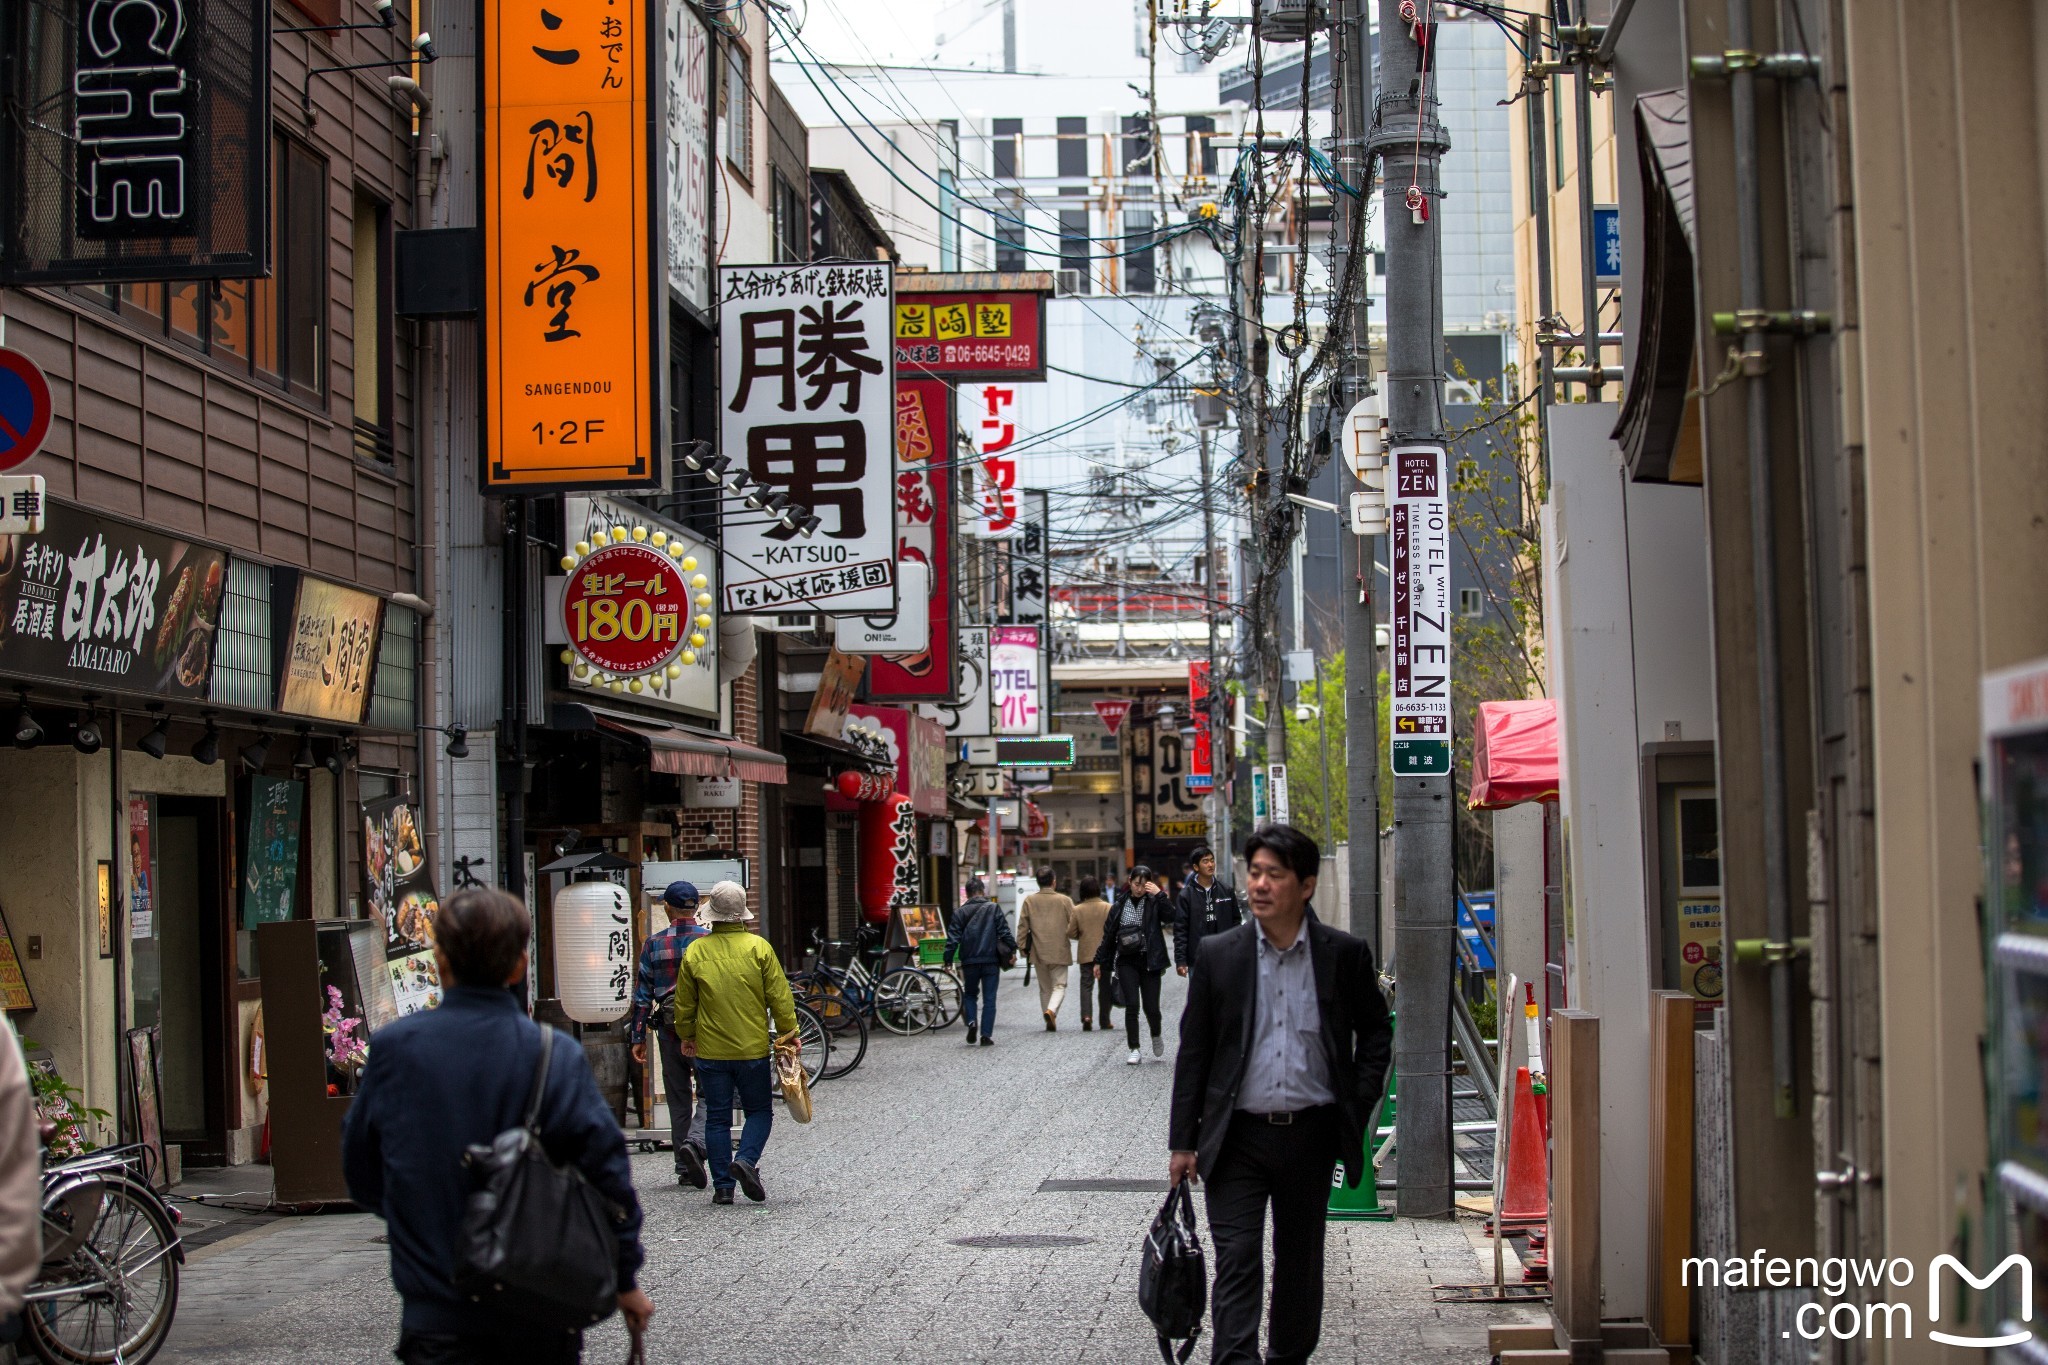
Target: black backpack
(537,1241)
(1173,1281)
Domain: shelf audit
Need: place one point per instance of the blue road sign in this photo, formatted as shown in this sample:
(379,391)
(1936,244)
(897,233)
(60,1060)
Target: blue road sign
(1607,245)
(24,408)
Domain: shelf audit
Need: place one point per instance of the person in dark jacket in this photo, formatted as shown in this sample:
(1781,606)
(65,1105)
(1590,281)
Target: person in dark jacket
(444,1079)
(1205,906)
(1134,948)
(984,942)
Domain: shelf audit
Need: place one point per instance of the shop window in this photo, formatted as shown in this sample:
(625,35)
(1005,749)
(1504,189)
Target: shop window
(792,221)
(394,696)
(241,647)
(370,325)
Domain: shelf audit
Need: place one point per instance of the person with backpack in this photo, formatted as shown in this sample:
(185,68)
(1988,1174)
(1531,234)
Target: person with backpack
(1134,949)
(985,944)
(654,982)
(446,1079)
(1205,906)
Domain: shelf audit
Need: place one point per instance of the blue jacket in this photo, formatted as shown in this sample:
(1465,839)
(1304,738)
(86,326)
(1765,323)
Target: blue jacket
(981,934)
(439,1081)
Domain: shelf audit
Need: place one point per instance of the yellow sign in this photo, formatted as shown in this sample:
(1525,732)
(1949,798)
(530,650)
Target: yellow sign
(573,315)
(1181,829)
(992,320)
(330,652)
(913,319)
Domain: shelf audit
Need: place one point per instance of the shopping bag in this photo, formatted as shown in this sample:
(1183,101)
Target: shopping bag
(1173,1279)
(789,1071)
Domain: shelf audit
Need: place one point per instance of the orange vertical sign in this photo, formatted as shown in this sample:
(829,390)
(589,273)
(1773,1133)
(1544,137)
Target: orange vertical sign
(572,327)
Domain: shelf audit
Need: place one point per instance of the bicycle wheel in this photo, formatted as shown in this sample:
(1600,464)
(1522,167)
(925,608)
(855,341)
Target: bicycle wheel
(813,1042)
(907,1001)
(836,1009)
(113,1298)
(948,982)
(849,1046)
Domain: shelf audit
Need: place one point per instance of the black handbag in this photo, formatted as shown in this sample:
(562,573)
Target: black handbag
(1173,1280)
(537,1241)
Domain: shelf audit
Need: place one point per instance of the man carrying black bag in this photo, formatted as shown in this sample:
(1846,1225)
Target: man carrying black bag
(443,1080)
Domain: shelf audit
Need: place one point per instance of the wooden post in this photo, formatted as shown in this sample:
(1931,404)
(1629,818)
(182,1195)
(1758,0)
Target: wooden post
(1575,1181)
(1669,1305)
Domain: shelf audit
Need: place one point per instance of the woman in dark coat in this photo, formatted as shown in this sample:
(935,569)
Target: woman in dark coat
(1134,948)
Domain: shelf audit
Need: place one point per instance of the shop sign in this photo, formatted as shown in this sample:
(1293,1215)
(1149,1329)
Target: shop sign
(270,858)
(1030,561)
(14,991)
(627,610)
(970,716)
(1016,679)
(905,631)
(693,687)
(575,321)
(838,681)
(1699,947)
(924,534)
(397,883)
(973,335)
(1172,799)
(711,793)
(688,96)
(330,652)
(1276,787)
(994,435)
(104,605)
(1420,657)
(1181,829)
(807,408)
(1201,762)
(918,748)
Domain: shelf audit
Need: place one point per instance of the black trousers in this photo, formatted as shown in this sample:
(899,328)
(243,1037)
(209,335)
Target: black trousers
(676,1077)
(1288,1166)
(535,1348)
(1094,989)
(1137,983)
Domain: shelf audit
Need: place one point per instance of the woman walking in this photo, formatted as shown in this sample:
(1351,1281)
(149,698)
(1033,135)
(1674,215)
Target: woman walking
(1134,948)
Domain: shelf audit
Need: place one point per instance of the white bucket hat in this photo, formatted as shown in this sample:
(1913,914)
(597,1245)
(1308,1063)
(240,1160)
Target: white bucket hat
(727,904)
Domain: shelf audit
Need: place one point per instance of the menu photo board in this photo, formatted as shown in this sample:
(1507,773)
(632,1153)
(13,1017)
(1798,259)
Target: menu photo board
(270,855)
(330,651)
(398,885)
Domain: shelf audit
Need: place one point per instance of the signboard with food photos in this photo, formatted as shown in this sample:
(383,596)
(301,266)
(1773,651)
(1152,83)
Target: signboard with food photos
(400,887)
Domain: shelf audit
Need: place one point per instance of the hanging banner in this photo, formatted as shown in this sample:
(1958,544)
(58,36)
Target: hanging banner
(1017,680)
(1419,742)
(838,681)
(687,93)
(971,716)
(575,319)
(996,432)
(889,866)
(1201,764)
(1276,787)
(399,886)
(924,532)
(996,335)
(807,412)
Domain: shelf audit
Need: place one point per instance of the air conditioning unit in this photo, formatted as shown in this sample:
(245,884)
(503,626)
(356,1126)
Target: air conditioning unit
(1068,284)
(1291,21)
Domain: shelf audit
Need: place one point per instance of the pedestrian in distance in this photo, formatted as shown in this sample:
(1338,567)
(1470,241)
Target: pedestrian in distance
(445,1079)
(985,944)
(653,981)
(1284,1047)
(21,1190)
(1134,948)
(1205,906)
(1091,912)
(728,986)
(1045,935)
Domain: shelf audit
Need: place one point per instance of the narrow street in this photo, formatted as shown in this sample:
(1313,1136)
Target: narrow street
(857,1254)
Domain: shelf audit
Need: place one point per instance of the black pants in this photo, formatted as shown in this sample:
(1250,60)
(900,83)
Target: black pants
(1137,983)
(676,1077)
(535,1348)
(1289,1166)
(1095,989)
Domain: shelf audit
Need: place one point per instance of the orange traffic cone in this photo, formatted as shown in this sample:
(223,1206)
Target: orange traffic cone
(1525,1202)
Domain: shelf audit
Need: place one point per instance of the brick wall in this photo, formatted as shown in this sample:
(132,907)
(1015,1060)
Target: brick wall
(734,831)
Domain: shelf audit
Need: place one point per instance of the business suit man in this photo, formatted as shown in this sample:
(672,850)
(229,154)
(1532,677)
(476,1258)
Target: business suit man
(1284,1048)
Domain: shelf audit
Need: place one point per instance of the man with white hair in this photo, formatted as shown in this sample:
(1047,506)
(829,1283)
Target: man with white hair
(728,985)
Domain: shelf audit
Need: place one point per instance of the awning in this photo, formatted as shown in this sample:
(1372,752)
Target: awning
(675,749)
(1514,754)
(837,751)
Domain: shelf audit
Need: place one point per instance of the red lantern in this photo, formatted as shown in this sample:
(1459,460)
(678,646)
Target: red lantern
(859,786)
(889,865)
(848,783)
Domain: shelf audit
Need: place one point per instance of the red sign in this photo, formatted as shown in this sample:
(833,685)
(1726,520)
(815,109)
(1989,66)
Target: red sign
(1113,713)
(24,408)
(1201,764)
(998,514)
(972,336)
(924,532)
(625,608)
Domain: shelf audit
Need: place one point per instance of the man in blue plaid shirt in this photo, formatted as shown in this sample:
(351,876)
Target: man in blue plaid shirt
(654,983)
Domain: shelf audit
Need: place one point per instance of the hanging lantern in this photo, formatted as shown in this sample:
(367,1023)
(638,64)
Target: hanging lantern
(594,951)
(860,786)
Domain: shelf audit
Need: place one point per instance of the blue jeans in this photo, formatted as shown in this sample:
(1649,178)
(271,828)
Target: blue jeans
(985,976)
(754,1082)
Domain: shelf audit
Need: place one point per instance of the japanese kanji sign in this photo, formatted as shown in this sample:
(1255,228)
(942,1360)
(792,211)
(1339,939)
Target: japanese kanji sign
(1419,523)
(330,656)
(628,612)
(996,510)
(972,715)
(687,43)
(108,606)
(972,336)
(692,683)
(924,532)
(573,248)
(1030,566)
(807,403)
(1017,680)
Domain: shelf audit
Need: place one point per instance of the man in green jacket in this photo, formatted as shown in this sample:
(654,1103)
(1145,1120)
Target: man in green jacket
(727,987)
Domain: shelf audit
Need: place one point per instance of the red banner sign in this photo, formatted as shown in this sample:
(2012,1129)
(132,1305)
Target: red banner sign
(924,533)
(1201,764)
(1113,713)
(972,336)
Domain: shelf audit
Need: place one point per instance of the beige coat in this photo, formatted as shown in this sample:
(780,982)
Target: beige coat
(1045,928)
(1089,917)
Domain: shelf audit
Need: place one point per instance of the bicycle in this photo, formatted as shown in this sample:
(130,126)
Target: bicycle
(108,1285)
(904,999)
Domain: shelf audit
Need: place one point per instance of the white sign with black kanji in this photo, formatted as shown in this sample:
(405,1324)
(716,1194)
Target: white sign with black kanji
(807,401)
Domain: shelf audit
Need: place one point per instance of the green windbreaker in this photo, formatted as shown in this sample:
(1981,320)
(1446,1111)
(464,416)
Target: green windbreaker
(727,985)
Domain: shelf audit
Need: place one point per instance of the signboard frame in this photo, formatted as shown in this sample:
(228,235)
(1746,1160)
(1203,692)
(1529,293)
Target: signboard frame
(285,634)
(912,361)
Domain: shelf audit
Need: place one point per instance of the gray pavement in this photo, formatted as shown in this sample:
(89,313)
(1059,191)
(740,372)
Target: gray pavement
(855,1256)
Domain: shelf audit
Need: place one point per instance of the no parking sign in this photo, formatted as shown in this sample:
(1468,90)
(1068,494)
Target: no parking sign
(24,422)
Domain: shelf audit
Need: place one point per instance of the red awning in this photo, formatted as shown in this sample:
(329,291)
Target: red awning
(1514,754)
(673,750)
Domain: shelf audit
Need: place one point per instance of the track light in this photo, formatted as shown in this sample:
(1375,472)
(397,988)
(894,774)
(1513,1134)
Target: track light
(255,755)
(159,738)
(777,504)
(387,13)
(424,45)
(304,758)
(86,738)
(207,750)
(714,468)
(808,524)
(27,734)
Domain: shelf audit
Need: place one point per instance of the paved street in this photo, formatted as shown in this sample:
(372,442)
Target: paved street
(856,1255)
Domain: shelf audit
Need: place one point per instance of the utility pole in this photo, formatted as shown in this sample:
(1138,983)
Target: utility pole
(1219,735)
(1410,143)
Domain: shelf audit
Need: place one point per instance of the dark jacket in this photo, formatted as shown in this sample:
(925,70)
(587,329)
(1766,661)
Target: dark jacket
(1216,1036)
(1200,913)
(981,935)
(439,1081)
(1158,915)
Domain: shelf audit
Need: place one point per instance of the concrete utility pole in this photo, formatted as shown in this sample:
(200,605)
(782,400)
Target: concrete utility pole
(1219,734)
(1410,143)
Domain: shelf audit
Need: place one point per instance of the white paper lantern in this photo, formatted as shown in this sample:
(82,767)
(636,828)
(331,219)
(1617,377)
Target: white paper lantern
(594,951)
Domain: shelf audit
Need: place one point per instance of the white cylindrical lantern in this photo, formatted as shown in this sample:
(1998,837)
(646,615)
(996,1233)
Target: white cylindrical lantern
(594,951)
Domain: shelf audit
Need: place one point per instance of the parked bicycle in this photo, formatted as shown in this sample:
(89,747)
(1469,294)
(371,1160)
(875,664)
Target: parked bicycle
(108,1286)
(904,1000)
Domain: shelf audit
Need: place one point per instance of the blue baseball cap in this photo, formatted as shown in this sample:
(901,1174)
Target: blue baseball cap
(680,895)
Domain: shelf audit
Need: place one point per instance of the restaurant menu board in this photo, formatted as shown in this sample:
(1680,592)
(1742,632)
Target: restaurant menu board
(329,651)
(415,982)
(400,888)
(270,863)
(106,605)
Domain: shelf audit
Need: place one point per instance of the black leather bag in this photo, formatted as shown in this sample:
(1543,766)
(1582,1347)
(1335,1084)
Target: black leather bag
(1173,1280)
(536,1241)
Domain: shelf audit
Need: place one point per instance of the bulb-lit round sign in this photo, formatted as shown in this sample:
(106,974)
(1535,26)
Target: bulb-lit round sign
(626,608)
